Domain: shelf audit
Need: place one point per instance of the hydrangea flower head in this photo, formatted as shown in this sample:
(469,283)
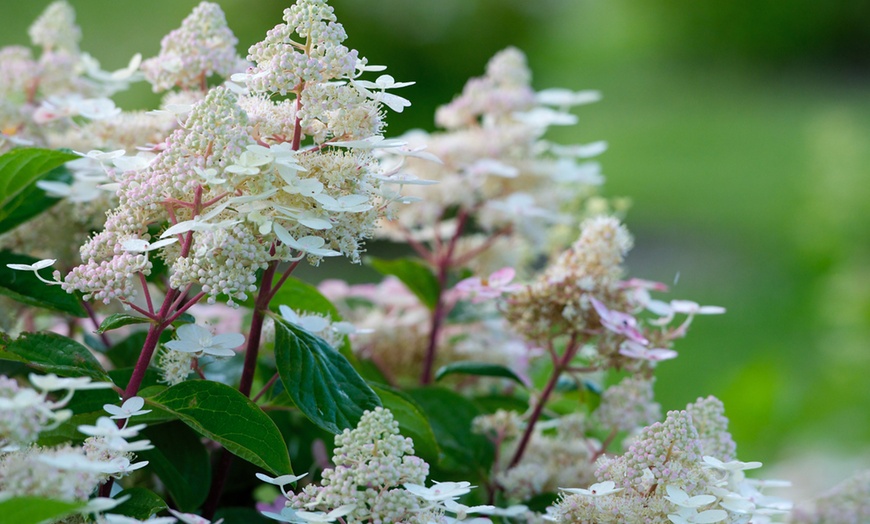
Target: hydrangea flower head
(201,47)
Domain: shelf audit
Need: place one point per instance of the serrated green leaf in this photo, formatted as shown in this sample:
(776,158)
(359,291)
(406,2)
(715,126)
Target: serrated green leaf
(321,382)
(181,461)
(120,320)
(22,167)
(480,369)
(221,413)
(24,287)
(34,510)
(415,274)
(450,415)
(412,422)
(141,505)
(53,353)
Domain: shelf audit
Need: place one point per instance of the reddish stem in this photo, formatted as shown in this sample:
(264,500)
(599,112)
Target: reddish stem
(190,303)
(134,307)
(146,292)
(444,262)
(297,126)
(261,306)
(561,365)
(93,316)
(266,387)
(151,340)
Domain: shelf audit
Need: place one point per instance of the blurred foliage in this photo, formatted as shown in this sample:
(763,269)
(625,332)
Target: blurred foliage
(772,31)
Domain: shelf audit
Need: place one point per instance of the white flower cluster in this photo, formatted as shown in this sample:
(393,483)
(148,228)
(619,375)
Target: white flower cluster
(237,186)
(201,47)
(193,342)
(377,478)
(668,475)
(372,463)
(60,100)
(497,167)
(65,472)
(26,412)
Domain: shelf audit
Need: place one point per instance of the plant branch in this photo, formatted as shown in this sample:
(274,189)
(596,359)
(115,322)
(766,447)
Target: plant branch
(444,262)
(570,351)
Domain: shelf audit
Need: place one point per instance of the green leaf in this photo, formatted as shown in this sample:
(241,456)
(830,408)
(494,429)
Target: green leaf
(221,413)
(241,516)
(120,320)
(181,461)
(321,382)
(33,510)
(412,422)
(24,287)
(32,201)
(450,415)
(19,169)
(141,505)
(300,296)
(126,352)
(480,369)
(53,353)
(416,275)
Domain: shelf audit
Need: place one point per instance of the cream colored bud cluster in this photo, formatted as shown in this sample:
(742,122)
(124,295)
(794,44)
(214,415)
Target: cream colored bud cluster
(372,463)
(558,302)
(629,404)
(203,46)
(283,64)
(668,474)
(235,185)
(56,28)
(708,417)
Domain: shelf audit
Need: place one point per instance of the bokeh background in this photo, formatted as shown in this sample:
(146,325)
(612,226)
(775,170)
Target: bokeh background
(739,129)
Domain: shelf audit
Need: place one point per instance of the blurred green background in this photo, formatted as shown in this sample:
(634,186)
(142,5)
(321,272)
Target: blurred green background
(740,130)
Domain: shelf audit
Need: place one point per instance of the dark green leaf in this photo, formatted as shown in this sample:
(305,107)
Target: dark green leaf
(412,422)
(450,415)
(120,320)
(33,510)
(22,167)
(300,296)
(321,382)
(24,287)
(181,461)
(542,501)
(241,516)
(416,275)
(53,353)
(141,505)
(121,377)
(32,201)
(480,369)
(184,318)
(493,403)
(224,415)
(126,352)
